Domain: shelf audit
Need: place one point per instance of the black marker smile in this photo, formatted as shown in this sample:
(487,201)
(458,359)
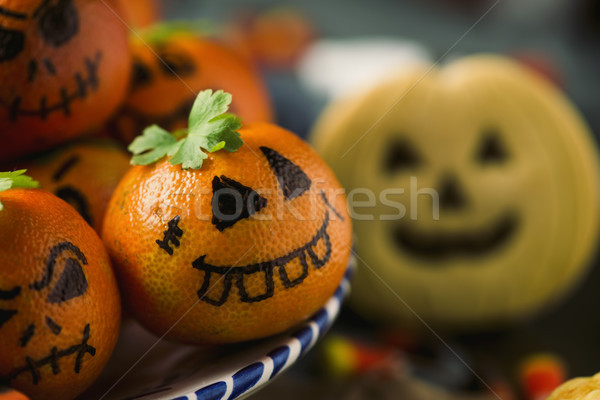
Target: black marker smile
(53,359)
(443,245)
(84,86)
(229,273)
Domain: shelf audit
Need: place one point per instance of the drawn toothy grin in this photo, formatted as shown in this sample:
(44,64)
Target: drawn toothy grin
(443,245)
(228,273)
(33,366)
(83,88)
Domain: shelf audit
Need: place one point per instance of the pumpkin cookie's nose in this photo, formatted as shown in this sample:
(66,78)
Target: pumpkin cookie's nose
(452,195)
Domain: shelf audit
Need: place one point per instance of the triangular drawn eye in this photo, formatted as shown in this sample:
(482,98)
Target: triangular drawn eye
(71,283)
(233,202)
(11,44)
(292,180)
(401,155)
(5,295)
(51,263)
(492,150)
(5,315)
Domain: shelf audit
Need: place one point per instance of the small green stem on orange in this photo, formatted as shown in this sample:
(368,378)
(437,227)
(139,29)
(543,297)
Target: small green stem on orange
(210,129)
(14,180)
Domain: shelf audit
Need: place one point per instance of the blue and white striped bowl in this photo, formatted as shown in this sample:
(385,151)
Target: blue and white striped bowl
(178,372)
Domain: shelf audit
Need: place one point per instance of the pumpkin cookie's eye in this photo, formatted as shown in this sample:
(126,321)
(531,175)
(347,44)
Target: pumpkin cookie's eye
(57,23)
(11,44)
(401,155)
(491,150)
(178,64)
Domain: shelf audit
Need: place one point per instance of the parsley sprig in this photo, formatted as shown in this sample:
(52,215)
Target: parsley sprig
(210,128)
(16,179)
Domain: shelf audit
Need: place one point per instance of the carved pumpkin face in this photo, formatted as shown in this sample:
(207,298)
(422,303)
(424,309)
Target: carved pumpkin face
(165,87)
(64,67)
(514,171)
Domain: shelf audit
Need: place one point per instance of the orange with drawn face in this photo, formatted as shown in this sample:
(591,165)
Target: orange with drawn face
(83,174)
(59,302)
(245,247)
(64,68)
(169,74)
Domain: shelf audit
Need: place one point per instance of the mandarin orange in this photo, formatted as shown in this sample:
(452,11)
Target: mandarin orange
(64,67)
(275,39)
(11,394)
(83,174)
(245,247)
(171,68)
(59,302)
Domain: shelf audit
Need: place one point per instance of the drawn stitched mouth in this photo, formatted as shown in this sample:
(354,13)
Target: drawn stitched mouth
(228,273)
(442,245)
(83,88)
(53,359)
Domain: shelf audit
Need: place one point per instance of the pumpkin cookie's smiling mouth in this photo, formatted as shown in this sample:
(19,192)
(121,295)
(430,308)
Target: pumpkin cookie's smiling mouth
(443,245)
(228,273)
(84,86)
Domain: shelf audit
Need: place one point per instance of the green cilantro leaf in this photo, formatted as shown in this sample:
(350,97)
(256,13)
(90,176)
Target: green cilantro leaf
(208,106)
(154,144)
(211,129)
(16,179)
(189,154)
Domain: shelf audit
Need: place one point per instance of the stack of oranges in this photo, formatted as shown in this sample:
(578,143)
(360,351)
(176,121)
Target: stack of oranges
(227,228)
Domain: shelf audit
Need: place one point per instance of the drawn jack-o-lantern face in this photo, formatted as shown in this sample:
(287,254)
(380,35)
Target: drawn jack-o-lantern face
(71,284)
(248,246)
(64,67)
(84,174)
(56,288)
(167,77)
(505,161)
(59,301)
